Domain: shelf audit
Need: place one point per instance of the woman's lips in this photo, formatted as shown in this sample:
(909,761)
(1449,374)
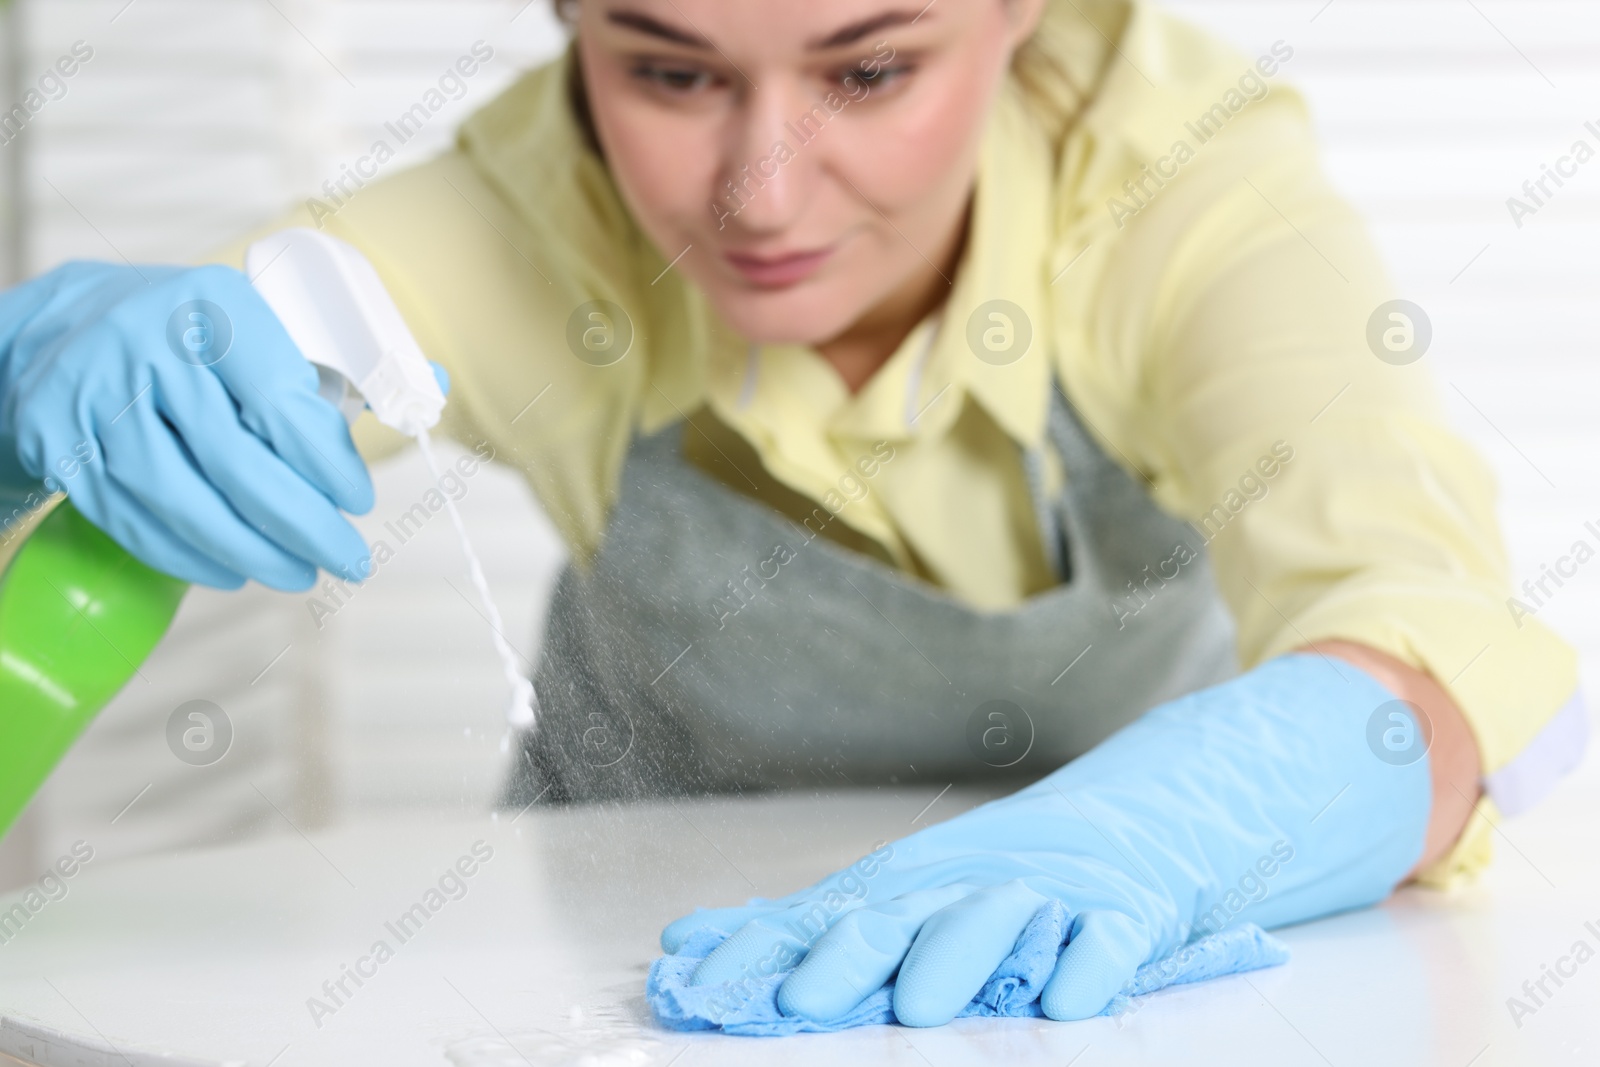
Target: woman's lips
(777,272)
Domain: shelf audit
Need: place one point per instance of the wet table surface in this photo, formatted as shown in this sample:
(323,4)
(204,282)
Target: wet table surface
(539,955)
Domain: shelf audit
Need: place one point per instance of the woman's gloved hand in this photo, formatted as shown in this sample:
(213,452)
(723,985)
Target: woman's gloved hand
(173,409)
(1258,800)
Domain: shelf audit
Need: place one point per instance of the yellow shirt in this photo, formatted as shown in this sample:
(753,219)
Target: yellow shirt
(1158,213)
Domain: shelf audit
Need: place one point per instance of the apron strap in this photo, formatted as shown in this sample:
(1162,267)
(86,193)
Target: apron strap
(1047,512)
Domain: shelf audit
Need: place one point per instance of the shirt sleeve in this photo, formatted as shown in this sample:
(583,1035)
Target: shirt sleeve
(1334,497)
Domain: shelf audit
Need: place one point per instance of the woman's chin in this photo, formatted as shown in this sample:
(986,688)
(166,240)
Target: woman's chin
(803,314)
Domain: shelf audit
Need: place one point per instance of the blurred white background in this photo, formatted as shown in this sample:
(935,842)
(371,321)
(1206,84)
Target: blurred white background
(196,119)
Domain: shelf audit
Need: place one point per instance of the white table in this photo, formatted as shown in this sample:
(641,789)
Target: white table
(209,957)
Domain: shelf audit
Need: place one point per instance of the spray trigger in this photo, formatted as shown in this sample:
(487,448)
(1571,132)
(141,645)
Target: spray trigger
(337,312)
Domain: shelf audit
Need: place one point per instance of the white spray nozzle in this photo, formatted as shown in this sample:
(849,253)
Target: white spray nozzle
(337,312)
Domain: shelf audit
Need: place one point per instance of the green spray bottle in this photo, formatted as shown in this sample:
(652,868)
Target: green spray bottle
(78,614)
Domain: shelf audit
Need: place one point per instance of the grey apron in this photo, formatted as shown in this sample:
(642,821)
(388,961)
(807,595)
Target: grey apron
(837,668)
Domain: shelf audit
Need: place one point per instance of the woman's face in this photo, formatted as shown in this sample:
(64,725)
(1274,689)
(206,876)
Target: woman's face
(808,161)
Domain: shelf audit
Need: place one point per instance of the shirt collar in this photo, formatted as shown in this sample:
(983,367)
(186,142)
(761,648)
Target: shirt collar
(995,340)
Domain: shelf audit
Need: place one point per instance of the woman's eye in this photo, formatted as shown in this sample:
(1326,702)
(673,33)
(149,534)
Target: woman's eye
(676,80)
(873,74)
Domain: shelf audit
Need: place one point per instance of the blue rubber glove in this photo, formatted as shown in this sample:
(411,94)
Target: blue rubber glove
(1263,800)
(175,412)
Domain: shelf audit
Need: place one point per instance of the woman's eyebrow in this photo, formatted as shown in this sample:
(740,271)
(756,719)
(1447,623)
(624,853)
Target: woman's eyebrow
(639,22)
(653,27)
(855,31)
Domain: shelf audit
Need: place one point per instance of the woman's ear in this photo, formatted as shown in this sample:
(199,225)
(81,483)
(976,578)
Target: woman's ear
(1024,16)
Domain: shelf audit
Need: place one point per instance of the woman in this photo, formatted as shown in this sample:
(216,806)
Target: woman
(922,390)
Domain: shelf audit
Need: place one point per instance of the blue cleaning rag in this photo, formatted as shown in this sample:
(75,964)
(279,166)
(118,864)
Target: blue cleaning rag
(750,1007)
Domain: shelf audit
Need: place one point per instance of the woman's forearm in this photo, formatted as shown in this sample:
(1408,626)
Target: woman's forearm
(1453,758)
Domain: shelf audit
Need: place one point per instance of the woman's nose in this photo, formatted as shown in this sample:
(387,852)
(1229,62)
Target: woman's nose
(767,174)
